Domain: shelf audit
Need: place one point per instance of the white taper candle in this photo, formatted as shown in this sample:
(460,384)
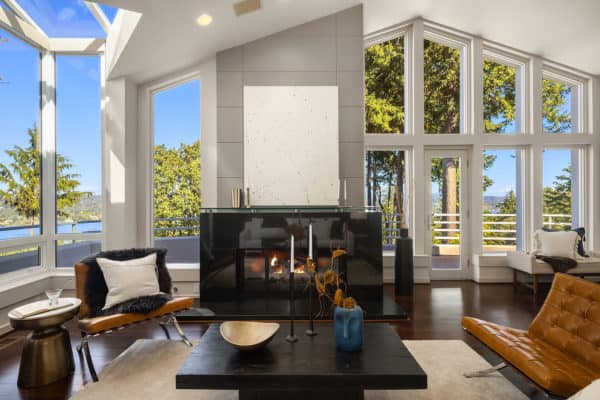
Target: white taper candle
(292,254)
(310,253)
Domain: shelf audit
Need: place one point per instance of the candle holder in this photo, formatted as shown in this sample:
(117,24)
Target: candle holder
(291,338)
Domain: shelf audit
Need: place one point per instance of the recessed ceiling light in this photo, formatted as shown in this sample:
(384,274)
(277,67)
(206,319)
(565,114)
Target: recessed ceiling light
(204,20)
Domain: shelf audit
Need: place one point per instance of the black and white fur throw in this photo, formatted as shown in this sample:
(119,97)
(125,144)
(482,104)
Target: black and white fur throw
(95,286)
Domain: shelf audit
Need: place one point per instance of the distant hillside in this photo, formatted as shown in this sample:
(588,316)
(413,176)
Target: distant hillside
(88,209)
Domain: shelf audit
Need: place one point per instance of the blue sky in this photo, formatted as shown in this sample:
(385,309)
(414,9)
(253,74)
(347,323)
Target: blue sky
(177,115)
(66,18)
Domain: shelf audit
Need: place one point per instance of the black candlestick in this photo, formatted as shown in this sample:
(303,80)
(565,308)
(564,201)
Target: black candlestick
(311,323)
(292,336)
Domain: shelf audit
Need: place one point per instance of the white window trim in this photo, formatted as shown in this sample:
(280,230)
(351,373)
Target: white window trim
(205,72)
(530,139)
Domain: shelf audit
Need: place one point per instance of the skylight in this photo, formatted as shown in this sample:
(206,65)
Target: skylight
(64,18)
(109,11)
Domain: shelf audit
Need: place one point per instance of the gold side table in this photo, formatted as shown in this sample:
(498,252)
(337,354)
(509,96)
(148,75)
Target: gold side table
(47,355)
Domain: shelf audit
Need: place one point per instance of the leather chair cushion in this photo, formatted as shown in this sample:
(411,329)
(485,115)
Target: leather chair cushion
(569,320)
(105,323)
(543,363)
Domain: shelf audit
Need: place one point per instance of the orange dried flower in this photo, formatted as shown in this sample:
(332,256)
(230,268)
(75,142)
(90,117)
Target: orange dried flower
(329,277)
(349,302)
(338,298)
(337,253)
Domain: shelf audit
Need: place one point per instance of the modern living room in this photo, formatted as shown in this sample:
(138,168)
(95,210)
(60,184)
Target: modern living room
(341,199)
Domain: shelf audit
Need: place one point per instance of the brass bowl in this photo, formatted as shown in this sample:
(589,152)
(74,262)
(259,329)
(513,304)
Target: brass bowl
(248,335)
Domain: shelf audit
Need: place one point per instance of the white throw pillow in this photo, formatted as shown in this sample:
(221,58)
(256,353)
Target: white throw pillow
(129,279)
(557,244)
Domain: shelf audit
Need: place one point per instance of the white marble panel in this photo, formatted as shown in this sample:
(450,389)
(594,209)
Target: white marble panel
(291,142)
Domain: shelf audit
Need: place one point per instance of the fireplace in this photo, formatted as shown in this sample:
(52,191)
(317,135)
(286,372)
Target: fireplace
(245,252)
(265,273)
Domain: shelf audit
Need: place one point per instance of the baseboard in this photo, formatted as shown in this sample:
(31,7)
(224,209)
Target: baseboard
(5,328)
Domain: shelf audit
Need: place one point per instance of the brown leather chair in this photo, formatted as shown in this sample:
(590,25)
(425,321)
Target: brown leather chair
(560,351)
(96,326)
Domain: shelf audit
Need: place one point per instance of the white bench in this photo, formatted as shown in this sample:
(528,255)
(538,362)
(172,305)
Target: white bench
(528,264)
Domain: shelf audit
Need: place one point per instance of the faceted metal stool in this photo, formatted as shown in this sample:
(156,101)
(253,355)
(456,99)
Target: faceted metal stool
(47,356)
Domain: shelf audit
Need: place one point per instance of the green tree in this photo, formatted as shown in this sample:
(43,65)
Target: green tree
(177,196)
(385,111)
(20,180)
(557,199)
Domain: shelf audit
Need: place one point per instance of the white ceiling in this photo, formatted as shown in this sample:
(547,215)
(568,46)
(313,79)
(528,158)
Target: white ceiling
(167,37)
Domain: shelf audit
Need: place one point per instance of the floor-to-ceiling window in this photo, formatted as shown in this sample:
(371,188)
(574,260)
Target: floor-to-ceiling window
(177,175)
(561,188)
(77,158)
(502,187)
(20,154)
(501,110)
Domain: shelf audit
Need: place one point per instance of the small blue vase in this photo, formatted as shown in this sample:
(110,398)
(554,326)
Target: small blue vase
(348,328)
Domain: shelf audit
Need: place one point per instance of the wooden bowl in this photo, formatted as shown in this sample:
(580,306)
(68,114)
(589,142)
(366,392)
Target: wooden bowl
(248,335)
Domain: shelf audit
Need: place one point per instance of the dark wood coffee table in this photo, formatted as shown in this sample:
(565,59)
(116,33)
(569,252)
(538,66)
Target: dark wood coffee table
(309,369)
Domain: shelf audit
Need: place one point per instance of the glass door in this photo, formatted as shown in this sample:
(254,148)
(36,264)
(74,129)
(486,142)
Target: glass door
(447,213)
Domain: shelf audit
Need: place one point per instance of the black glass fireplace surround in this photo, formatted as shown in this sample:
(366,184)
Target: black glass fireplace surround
(245,260)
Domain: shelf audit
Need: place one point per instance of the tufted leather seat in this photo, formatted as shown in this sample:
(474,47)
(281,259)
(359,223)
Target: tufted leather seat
(561,349)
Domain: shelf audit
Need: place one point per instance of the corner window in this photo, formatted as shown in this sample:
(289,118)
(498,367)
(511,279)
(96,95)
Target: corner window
(20,139)
(384,87)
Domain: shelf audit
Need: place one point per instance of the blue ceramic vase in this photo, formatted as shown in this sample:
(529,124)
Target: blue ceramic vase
(348,328)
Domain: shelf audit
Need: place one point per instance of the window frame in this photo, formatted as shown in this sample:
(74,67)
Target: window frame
(579,94)
(77,236)
(445,37)
(48,48)
(521,66)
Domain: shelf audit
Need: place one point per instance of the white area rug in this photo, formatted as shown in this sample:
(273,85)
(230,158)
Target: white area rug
(147,369)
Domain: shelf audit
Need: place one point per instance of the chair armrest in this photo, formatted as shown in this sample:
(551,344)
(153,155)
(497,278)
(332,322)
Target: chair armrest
(521,261)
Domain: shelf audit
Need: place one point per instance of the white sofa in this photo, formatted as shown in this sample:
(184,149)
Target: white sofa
(528,264)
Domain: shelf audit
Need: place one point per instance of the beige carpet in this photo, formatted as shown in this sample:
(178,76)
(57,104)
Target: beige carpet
(147,369)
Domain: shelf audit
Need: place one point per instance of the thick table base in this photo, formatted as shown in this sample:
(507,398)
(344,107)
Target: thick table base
(300,394)
(46,358)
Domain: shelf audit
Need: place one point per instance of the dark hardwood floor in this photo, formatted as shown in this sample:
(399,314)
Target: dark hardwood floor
(435,313)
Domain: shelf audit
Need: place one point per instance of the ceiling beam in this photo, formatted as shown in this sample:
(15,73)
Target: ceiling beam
(23,29)
(19,12)
(99,15)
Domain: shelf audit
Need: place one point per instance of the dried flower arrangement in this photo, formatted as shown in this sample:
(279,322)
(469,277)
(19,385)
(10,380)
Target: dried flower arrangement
(330,286)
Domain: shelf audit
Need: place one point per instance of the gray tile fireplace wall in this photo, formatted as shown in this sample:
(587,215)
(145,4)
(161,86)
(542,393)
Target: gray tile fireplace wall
(327,51)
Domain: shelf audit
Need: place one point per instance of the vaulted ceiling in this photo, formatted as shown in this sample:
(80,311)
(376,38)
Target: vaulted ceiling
(167,37)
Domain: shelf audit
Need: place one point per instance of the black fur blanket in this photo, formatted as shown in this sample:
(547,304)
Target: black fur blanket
(558,264)
(95,286)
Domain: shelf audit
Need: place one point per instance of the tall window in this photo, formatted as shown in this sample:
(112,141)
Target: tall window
(386,190)
(384,87)
(442,90)
(177,197)
(499,97)
(502,200)
(557,106)
(78,154)
(561,189)
(20,159)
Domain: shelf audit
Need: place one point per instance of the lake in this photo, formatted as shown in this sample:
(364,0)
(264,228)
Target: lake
(21,232)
